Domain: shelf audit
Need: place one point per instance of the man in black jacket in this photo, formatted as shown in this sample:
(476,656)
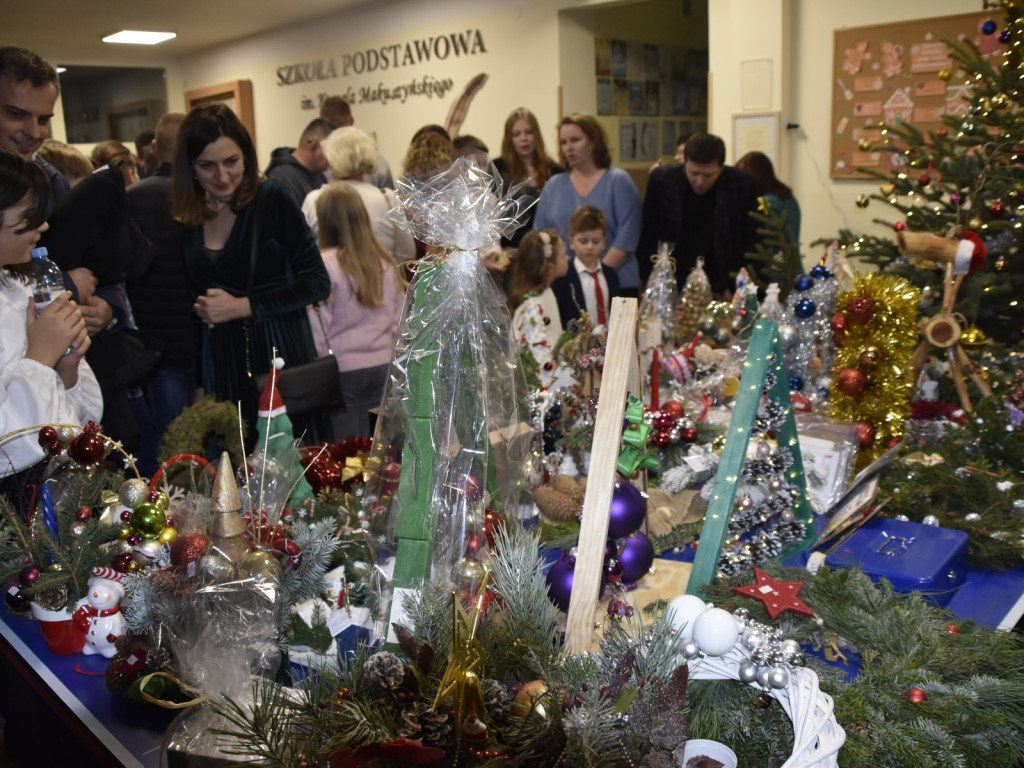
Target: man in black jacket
(160,298)
(702,206)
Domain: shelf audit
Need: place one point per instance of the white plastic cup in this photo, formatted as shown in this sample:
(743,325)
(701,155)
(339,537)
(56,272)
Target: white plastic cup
(713,749)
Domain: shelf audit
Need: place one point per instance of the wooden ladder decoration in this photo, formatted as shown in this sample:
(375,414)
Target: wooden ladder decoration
(764,350)
(621,376)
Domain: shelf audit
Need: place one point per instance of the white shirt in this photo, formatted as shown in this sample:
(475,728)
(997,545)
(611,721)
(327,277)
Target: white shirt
(589,294)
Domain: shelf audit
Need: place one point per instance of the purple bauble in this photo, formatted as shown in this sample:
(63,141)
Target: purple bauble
(16,599)
(629,507)
(560,582)
(636,557)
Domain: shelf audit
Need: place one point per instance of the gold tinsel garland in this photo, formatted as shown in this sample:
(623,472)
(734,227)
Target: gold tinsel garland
(876,335)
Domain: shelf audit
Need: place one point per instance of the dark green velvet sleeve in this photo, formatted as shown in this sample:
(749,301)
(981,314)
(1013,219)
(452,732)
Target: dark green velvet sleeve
(290,272)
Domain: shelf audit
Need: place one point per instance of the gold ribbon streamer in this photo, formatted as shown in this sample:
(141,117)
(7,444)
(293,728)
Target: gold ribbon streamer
(164,702)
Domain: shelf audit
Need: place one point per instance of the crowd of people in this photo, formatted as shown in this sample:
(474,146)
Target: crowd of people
(222,267)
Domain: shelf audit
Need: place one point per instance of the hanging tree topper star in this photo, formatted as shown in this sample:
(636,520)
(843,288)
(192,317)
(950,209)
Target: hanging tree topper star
(777,596)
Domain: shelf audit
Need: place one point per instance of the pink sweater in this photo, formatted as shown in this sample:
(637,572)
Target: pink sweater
(361,337)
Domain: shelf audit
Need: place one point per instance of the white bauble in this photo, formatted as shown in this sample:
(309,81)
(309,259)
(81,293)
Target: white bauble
(715,631)
(682,611)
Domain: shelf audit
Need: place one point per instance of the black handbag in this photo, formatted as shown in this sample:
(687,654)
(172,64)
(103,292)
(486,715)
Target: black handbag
(306,388)
(309,388)
(125,358)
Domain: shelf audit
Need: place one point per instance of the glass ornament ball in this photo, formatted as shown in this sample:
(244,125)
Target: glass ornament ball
(803,283)
(1000,101)
(988,27)
(778,677)
(804,308)
(1005,37)
(945,74)
(924,180)
(148,519)
(747,672)
(707,325)
(869,357)
(683,611)
(559,580)
(796,382)
(629,507)
(899,226)
(715,631)
(789,647)
(865,145)
(972,517)
(863,201)
(865,432)
(997,209)
(637,557)
(930,520)
(1000,263)
(975,223)
(820,272)
(787,515)
(786,334)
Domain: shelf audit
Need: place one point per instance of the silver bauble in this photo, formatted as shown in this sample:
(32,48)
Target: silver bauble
(778,677)
(133,491)
(762,676)
(789,646)
(972,517)
(930,520)
(786,334)
(747,672)
(797,659)
(753,638)
(690,649)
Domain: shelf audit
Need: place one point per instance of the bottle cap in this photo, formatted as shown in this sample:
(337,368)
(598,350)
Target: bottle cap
(39,254)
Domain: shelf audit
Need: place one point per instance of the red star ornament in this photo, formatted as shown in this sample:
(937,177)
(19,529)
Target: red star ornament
(777,596)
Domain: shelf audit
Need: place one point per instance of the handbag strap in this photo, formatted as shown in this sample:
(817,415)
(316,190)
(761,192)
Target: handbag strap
(323,328)
(394,230)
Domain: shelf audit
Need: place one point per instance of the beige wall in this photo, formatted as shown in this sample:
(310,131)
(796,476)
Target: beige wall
(534,46)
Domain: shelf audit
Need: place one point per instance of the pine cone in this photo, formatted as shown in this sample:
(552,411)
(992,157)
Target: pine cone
(554,505)
(568,485)
(497,699)
(384,672)
(432,728)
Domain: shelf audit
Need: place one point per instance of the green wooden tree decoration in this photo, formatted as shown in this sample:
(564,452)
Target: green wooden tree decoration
(769,481)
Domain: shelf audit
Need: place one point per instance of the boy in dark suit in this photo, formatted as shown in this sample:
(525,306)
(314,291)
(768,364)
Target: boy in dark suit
(589,284)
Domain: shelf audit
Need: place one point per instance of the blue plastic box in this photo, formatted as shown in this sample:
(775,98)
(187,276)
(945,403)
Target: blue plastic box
(912,556)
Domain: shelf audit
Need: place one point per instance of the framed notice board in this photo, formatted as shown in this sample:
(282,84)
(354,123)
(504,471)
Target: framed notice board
(899,73)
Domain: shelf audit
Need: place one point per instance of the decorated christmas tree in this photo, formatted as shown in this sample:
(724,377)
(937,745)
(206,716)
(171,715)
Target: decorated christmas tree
(962,180)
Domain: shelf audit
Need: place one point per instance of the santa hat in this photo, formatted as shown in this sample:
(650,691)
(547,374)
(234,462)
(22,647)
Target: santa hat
(271,404)
(970,254)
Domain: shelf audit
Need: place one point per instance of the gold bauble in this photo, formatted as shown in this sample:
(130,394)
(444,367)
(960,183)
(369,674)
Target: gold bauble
(76,529)
(887,189)
(975,223)
(215,569)
(945,74)
(167,536)
(863,201)
(470,574)
(1000,264)
(973,337)
(526,699)
(864,144)
(869,357)
(261,565)
(135,567)
(999,101)
(162,501)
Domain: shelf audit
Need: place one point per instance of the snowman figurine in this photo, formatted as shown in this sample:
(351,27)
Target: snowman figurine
(98,614)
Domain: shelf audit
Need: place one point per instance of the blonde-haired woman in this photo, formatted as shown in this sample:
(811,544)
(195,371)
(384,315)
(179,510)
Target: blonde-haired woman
(362,313)
(352,156)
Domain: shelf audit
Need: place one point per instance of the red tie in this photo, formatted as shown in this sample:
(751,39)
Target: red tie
(602,318)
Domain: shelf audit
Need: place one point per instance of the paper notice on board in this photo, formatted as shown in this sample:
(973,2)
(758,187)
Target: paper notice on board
(756,137)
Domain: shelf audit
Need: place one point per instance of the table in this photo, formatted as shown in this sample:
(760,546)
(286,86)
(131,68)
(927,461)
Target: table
(60,706)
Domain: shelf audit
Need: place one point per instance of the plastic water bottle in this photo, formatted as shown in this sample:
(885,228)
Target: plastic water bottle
(47,282)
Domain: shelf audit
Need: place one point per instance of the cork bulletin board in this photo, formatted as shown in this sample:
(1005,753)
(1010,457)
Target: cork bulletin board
(891,73)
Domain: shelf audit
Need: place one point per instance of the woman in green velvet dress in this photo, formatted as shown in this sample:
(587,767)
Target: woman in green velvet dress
(248,300)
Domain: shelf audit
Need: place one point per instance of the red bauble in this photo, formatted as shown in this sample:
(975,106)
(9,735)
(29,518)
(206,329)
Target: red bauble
(942,132)
(688,434)
(899,226)
(924,179)
(674,409)
(87,448)
(664,421)
(288,552)
(660,438)
(29,575)
(324,473)
(493,522)
(916,696)
(188,548)
(860,310)
(472,487)
(997,209)
(838,325)
(390,473)
(865,434)
(953,629)
(48,436)
(83,514)
(851,382)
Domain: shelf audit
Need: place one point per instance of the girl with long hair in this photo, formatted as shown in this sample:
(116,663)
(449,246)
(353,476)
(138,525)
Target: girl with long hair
(361,315)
